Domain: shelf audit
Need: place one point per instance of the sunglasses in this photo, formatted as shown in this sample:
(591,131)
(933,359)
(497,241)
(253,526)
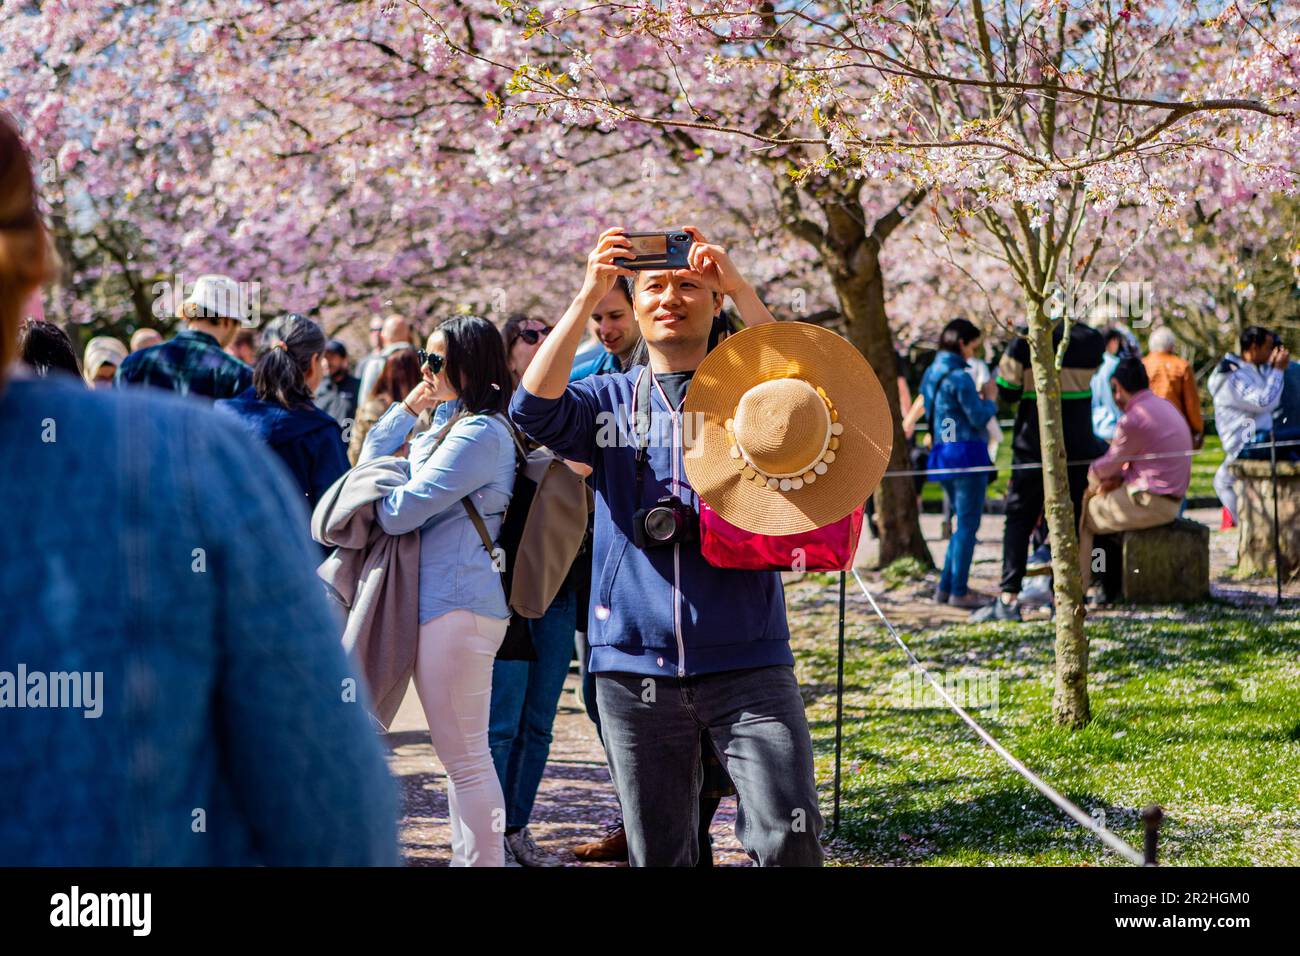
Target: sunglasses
(430,360)
(533,336)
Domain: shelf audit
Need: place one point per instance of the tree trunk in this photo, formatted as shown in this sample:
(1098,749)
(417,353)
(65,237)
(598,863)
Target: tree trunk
(1070,693)
(60,292)
(849,250)
(860,289)
(140,299)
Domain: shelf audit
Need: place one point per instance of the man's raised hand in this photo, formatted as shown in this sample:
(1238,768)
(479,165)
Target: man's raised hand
(711,261)
(601,270)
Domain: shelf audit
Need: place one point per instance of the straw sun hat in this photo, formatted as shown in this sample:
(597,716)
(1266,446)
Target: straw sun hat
(795,432)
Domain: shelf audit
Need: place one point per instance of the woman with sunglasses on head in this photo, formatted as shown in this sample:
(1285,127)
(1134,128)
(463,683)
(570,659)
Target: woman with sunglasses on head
(469,453)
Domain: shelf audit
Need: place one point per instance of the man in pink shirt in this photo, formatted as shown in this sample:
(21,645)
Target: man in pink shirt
(1141,480)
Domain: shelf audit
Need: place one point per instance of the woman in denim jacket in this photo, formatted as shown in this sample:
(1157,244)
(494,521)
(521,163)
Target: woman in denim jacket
(468,453)
(958,418)
(153,563)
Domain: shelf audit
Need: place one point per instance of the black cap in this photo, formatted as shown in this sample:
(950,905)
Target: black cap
(337,347)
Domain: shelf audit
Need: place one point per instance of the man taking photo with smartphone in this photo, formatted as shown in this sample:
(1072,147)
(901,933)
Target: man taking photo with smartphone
(677,646)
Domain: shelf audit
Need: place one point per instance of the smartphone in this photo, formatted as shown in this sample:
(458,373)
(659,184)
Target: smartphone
(656,250)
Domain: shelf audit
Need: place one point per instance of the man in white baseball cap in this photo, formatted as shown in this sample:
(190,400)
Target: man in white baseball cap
(195,361)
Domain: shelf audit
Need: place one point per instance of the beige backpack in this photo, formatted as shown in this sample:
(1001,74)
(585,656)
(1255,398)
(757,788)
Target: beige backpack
(542,530)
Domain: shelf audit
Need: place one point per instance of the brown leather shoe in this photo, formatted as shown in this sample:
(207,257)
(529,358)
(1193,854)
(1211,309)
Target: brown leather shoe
(611,849)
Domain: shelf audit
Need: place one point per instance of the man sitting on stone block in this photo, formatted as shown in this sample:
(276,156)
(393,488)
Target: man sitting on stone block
(1141,480)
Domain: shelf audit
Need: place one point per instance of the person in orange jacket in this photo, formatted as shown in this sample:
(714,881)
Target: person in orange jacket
(1174,380)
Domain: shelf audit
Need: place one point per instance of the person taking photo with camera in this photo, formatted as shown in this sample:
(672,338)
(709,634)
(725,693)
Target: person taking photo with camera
(678,646)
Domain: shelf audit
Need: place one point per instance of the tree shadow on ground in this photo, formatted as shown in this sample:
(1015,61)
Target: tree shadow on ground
(1013,821)
(1122,651)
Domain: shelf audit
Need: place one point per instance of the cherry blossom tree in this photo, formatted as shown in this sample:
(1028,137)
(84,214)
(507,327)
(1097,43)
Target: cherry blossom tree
(1029,131)
(1223,268)
(324,150)
(874,161)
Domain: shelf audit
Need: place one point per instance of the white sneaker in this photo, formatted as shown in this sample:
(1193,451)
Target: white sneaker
(1037,591)
(521,847)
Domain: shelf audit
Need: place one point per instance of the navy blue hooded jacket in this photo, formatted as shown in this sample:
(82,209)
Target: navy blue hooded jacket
(305,438)
(659,611)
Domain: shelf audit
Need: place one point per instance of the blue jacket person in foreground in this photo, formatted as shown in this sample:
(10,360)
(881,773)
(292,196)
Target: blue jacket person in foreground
(180,698)
(677,646)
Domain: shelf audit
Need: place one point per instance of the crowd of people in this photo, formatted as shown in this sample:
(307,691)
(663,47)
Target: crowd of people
(1131,424)
(214,543)
(232,733)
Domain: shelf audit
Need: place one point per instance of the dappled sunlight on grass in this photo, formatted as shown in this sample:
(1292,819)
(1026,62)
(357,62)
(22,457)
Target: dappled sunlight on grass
(1197,710)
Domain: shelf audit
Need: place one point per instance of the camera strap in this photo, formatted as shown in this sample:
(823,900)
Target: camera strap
(642,417)
(641,425)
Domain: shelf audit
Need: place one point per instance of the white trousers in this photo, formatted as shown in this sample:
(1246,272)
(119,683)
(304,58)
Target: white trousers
(453,676)
(1224,487)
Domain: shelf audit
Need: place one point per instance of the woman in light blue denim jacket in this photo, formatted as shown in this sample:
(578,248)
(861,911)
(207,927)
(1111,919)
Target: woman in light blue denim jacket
(468,453)
(153,568)
(958,416)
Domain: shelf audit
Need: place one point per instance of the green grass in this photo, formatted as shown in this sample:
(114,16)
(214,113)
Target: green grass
(903,571)
(1204,464)
(1198,712)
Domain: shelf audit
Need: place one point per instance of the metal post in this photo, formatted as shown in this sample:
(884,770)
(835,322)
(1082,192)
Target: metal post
(839,712)
(1277,534)
(1152,816)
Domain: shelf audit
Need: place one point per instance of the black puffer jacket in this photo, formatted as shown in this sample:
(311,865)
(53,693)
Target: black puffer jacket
(1016,384)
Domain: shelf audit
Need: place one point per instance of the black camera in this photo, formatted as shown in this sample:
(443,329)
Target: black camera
(668,522)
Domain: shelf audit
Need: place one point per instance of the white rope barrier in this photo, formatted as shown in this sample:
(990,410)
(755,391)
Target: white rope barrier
(1084,820)
(1032,465)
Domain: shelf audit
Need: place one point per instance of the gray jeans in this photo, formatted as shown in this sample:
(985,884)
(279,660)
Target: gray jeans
(755,721)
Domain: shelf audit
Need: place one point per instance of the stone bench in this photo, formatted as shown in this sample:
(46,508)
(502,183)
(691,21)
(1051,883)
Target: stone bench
(1255,517)
(1166,565)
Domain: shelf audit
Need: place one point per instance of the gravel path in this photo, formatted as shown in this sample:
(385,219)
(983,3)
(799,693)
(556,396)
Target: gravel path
(574,805)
